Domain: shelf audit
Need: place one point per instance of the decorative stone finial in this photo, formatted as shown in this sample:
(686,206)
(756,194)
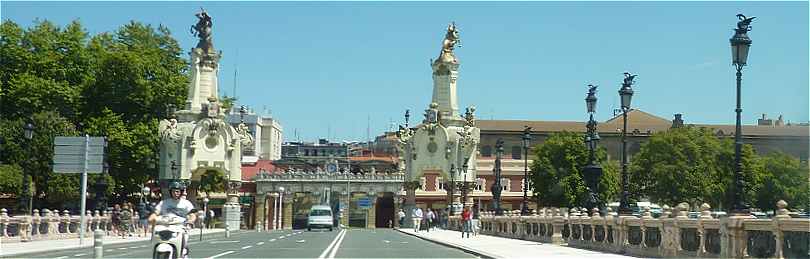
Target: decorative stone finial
(705,211)
(781,210)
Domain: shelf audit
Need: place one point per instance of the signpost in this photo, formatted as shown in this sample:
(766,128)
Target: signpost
(364,203)
(79,155)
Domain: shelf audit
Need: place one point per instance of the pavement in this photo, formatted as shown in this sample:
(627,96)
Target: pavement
(498,247)
(22,249)
(340,243)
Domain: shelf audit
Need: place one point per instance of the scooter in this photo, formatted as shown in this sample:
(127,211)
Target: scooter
(171,243)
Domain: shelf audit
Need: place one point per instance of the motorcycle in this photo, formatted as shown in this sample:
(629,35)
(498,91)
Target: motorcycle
(171,233)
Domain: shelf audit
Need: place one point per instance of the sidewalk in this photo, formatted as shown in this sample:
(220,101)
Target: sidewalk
(499,247)
(41,246)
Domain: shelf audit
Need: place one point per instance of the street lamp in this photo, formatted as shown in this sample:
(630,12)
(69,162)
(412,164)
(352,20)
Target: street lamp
(208,219)
(740,43)
(626,94)
(452,188)
(592,171)
(26,198)
(496,186)
(280,206)
(464,186)
(527,136)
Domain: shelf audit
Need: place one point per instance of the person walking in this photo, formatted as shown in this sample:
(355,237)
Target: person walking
(416,215)
(210,218)
(428,219)
(475,220)
(115,219)
(125,219)
(144,210)
(401,215)
(466,222)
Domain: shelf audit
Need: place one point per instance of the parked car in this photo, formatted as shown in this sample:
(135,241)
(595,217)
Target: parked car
(320,216)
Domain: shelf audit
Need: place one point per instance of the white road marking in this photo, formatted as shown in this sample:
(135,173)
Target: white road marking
(109,250)
(225,253)
(301,241)
(326,251)
(281,237)
(337,246)
(142,246)
(220,242)
(386,241)
(260,243)
(77,255)
(122,248)
(61,257)
(246,247)
(133,247)
(273,240)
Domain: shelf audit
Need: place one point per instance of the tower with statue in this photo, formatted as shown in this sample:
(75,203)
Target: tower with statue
(197,140)
(445,144)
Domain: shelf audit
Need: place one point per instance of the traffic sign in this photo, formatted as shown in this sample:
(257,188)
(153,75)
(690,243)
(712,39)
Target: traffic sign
(364,203)
(75,154)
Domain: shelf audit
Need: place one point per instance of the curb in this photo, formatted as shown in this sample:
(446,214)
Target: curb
(480,253)
(89,244)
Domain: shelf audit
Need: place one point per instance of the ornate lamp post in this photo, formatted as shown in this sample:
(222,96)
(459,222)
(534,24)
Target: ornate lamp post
(451,211)
(592,171)
(626,94)
(464,186)
(740,43)
(527,136)
(496,186)
(26,198)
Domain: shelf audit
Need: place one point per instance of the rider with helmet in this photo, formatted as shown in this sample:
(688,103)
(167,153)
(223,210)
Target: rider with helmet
(176,206)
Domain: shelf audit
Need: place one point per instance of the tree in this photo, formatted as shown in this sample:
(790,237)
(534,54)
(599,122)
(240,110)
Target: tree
(691,165)
(212,181)
(557,171)
(784,178)
(10,179)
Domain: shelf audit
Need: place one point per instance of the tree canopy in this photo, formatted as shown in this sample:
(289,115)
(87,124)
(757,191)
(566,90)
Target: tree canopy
(114,84)
(557,178)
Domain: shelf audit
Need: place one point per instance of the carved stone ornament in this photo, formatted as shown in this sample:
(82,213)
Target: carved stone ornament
(171,132)
(469,116)
(431,118)
(466,136)
(246,139)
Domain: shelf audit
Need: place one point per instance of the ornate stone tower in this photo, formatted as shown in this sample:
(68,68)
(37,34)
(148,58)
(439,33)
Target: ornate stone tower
(197,140)
(445,143)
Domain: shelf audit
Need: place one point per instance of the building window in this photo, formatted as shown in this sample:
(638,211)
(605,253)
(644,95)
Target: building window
(517,152)
(486,151)
(480,183)
(505,184)
(440,184)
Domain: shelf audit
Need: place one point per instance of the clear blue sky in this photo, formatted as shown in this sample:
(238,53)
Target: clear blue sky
(330,68)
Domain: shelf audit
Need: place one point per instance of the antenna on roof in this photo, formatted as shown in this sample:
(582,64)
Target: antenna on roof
(235,68)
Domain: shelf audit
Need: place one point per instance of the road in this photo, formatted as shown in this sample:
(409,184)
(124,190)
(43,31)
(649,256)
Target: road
(352,243)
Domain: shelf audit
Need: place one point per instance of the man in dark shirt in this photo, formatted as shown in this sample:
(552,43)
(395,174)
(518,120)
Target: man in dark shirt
(144,210)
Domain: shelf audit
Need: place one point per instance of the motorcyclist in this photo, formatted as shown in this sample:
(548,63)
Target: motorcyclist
(177,207)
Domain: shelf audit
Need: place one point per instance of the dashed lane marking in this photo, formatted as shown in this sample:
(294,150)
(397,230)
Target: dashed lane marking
(246,247)
(273,240)
(77,255)
(260,243)
(218,255)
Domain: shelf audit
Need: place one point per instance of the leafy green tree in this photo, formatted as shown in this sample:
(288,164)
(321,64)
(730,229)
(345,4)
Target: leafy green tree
(10,179)
(557,171)
(784,178)
(212,181)
(691,165)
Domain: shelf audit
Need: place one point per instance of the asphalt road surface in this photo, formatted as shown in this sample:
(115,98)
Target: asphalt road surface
(351,243)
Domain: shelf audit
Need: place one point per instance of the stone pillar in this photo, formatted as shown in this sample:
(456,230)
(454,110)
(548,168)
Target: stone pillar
(261,211)
(344,215)
(287,212)
(232,209)
(557,223)
(410,202)
(733,236)
(372,213)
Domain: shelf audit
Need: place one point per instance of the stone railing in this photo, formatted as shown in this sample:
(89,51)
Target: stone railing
(324,176)
(52,224)
(673,234)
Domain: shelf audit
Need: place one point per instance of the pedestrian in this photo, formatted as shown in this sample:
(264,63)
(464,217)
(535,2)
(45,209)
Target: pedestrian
(434,220)
(210,218)
(427,219)
(115,219)
(401,216)
(466,222)
(416,215)
(475,216)
(125,220)
(144,210)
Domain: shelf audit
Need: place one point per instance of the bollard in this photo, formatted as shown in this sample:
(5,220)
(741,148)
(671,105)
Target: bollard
(98,244)
(227,231)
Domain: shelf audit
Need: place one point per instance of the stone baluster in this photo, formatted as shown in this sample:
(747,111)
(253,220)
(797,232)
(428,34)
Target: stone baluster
(45,222)
(35,218)
(667,231)
(53,224)
(705,214)
(645,216)
(597,219)
(778,233)
(4,222)
(558,222)
(66,220)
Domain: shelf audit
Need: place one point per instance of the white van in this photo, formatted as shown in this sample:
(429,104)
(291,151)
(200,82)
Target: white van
(320,216)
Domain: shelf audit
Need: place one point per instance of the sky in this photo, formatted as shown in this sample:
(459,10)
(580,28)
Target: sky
(349,70)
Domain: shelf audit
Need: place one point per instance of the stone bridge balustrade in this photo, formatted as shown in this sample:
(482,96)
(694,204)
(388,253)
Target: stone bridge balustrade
(51,224)
(673,234)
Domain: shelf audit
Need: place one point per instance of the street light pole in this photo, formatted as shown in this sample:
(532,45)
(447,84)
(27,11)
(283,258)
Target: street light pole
(496,186)
(626,94)
(527,136)
(26,197)
(740,44)
(592,171)
(464,190)
(452,188)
